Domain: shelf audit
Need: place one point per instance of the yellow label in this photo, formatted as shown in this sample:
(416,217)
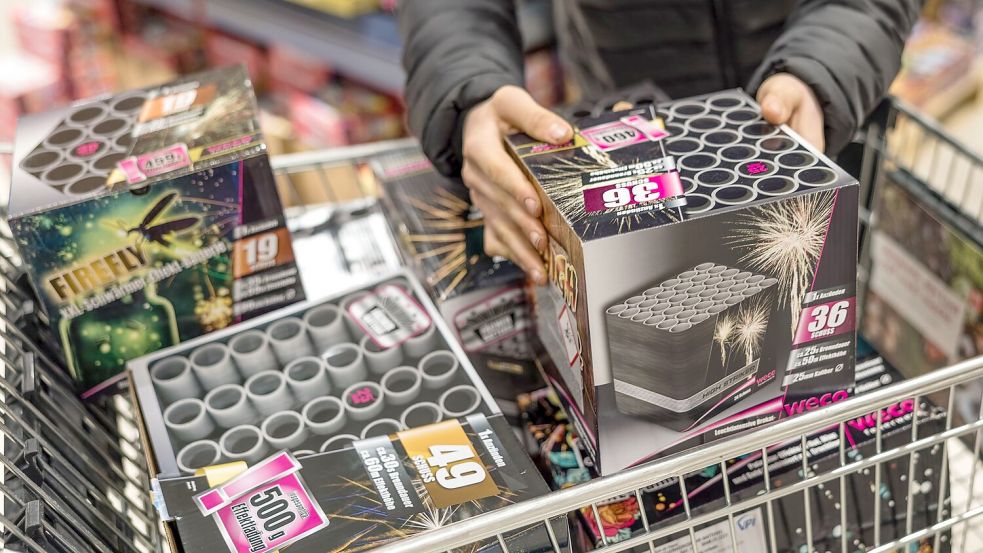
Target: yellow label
(451,470)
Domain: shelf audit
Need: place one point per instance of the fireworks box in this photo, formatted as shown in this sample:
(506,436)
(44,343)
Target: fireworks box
(381,490)
(483,299)
(702,269)
(149,218)
(566,463)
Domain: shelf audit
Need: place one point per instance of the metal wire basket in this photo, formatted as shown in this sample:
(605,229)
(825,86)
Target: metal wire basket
(74,477)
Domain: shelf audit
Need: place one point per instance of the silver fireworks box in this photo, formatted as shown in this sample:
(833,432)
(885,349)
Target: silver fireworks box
(702,269)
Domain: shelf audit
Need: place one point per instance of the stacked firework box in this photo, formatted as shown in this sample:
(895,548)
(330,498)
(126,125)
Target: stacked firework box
(702,269)
(149,218)
(482,299)
(566,463)
(381,421)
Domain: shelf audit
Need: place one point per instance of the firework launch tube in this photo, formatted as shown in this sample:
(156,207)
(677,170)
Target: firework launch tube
(198,455)
(421,414)
(64,138)
(380,360)
(401,385)
(289,340)
(269,393)
(307,378)
(341,441)
(459,401)
(63,174)
(304,453)
(284,430)
(421,344)
(87,115)
(252,353)
(229,406)
(174,380)
(381,427)
(345,365)
(243,443)
(363,400)
(353,329)
(324,415)
(213,366)
(187,420)
(438,369)
(326,326)
(42,160)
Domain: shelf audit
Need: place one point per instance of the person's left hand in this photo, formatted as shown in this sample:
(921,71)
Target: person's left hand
(785,99)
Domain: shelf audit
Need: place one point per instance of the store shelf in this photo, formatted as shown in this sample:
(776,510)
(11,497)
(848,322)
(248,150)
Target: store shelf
(336,41)
(364,48)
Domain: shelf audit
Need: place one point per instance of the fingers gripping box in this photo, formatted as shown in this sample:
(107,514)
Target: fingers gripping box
(686,314)
(149,218)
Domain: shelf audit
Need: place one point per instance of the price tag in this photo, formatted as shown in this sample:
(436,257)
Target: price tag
(448,464)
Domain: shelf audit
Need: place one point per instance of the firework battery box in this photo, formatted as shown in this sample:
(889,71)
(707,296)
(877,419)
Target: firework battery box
(148,218)
(483,299)
(379,491)
(702,275)
(311,377)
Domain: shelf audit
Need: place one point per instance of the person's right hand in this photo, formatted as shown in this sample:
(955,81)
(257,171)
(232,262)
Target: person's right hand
(498,186)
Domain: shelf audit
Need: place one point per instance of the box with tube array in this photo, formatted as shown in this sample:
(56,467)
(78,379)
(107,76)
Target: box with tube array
(309,378)
(382,490)
(149,218)
(702,274)
(367,390)
(483,299)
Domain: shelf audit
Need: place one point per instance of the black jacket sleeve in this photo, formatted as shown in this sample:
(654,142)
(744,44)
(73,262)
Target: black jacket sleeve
(847,51)
(456,54)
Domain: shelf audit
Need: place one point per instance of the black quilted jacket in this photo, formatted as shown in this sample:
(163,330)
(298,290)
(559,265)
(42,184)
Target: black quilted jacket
(458,52)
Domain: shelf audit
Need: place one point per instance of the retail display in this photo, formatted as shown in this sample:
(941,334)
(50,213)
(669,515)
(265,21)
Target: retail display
(149,218)
(483,299)
(357,365)
(924,305)
(387,487)
(702,268)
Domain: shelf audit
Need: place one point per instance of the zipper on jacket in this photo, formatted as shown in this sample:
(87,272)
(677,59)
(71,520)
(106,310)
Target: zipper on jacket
(724,39)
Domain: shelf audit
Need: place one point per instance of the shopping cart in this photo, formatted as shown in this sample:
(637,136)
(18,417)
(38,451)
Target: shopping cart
(74,477)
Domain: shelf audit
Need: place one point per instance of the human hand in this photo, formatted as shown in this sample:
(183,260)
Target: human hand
(785,99)
(498,186)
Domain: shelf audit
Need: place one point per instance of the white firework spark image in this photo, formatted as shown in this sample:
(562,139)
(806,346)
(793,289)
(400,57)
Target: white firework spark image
(784,239)
(723,333)
(752,322)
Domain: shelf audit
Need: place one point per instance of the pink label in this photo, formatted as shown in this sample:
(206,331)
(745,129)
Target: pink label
(230,145)
(270,517)
(825,320)
(88,149)
(627,131)
(652,131)
(140,168)
(265,471)
(636,191)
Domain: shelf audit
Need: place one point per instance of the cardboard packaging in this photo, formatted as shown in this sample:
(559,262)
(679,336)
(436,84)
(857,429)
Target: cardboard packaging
(370,361)
(702,268)
(149,218)
(563,457)
(483,300)
(379,491)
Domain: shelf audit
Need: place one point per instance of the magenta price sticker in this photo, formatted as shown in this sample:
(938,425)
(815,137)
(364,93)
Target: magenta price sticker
(270,517)
(633,192)
(140,168)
